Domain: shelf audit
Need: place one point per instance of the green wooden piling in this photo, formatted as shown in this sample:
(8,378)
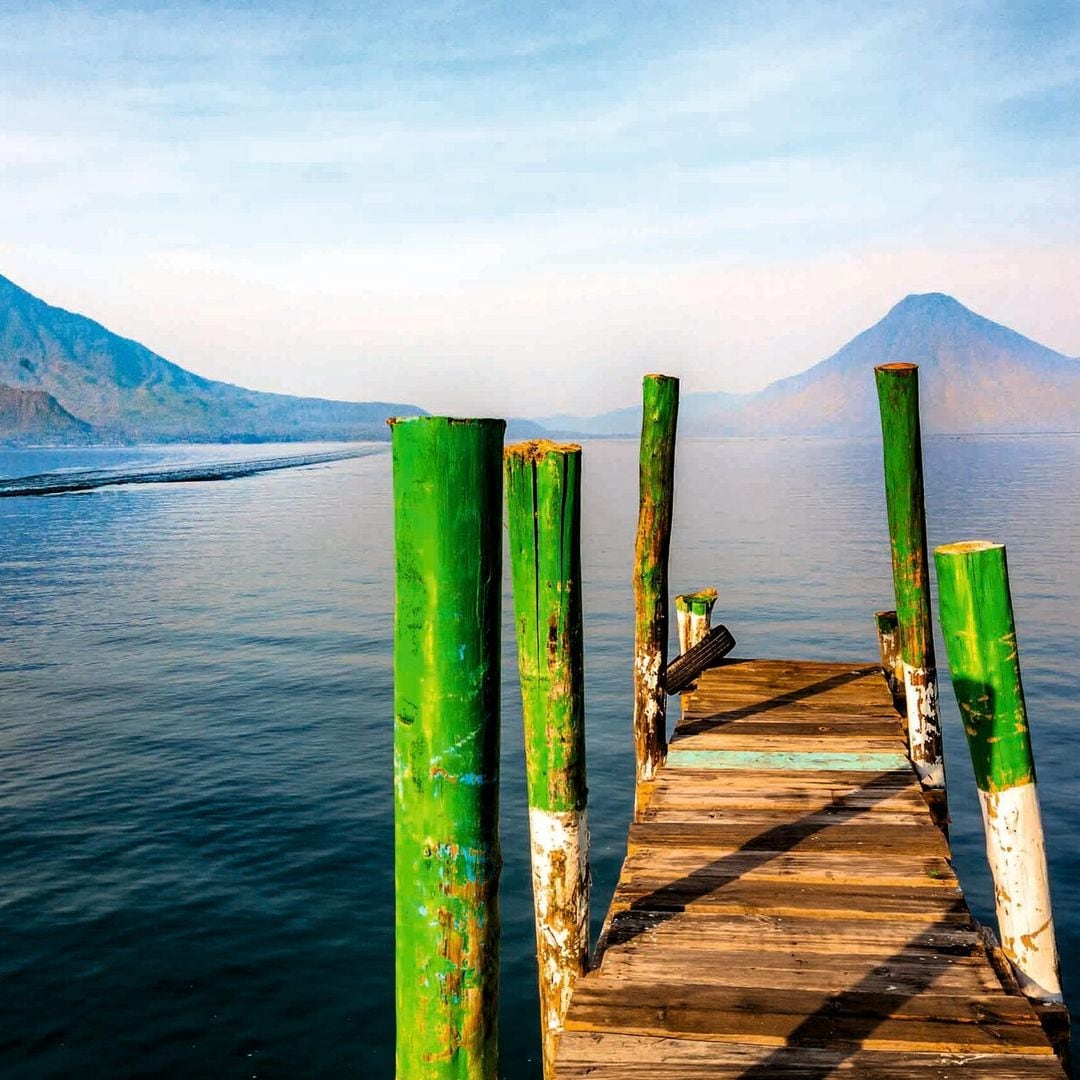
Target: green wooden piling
(898,395)
(657,489)
(448,547)
(980,640)
(693,613)
(543,497)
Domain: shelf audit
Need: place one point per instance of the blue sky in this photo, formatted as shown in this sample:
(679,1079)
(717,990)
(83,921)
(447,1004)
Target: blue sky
(519,208)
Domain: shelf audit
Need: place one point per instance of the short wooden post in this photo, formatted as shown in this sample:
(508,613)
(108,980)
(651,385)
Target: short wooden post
(657,487)
(898,394)
(980,639)
(543,496)
(448,548)
(693,612)
(892,665)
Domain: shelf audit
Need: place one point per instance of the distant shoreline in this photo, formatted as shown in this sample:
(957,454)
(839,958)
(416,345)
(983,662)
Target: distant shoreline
(75,481)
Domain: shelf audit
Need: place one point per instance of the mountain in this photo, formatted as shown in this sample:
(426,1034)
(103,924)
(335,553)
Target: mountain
(974,376)
(36,417)
(127,393)
(697,412)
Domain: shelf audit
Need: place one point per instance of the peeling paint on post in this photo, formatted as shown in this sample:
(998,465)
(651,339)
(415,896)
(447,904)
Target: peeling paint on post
(892,665)
(657,486)
(693,612)
(543,496)
(898,395)
(980,639)
(448,548)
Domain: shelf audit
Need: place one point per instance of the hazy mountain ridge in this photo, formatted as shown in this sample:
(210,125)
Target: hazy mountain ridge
(975,375)
(695,411)
(34,416)
(126,392)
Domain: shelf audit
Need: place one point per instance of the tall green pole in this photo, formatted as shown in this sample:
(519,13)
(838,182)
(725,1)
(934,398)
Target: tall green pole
(543,497)
(657,489)
(898,395)
(448,548)
(980,639)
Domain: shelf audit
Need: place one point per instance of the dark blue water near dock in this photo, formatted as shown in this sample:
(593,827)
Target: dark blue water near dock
(195,732)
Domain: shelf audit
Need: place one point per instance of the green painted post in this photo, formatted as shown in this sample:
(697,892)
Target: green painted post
(448,547)
(657,489)
(543,498)
(898,395)
(693,614)
(980,639)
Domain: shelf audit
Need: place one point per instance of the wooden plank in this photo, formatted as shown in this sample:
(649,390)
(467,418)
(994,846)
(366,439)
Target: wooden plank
(717,931)
(914,972)
(764,898)
(738,739)
(618,1056)
(831,818)
(806,793)
(859,725)
(747,704)
(785,759)
(886,780)
(778,1017)
(894,872)
(818,833)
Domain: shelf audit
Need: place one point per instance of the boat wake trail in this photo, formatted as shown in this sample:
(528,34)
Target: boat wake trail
(59,483)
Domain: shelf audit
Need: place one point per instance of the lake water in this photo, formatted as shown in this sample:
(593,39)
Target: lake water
(195,726)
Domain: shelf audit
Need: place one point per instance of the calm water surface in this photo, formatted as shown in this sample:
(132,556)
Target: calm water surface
(195,727)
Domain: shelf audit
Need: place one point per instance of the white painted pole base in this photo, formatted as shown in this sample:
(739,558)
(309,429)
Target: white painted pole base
(693,627)
(560,867)
(924,726)
(1016,851)
(650,712)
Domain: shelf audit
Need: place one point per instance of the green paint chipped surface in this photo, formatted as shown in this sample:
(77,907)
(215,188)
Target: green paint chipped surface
(980,641)
(898,396)
(656,485)
(543,501)
(448,549)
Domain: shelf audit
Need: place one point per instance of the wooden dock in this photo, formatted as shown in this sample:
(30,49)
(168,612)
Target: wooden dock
(787,908)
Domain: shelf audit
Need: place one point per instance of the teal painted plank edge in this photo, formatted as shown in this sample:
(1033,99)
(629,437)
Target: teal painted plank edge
(763,759)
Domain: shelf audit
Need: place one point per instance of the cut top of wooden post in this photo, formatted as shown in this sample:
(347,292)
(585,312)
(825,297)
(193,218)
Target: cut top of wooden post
(538,449)
(698,603)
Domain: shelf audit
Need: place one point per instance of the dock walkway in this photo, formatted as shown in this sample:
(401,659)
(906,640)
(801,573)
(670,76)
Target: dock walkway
(787,908)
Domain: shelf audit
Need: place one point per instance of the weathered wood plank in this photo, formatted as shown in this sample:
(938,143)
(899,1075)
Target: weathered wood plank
(817,833)
(616,1056)
(870,870)
(716,931)
(913,972)
(778,1017)
(765,898)
(703,735)
(855,760)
